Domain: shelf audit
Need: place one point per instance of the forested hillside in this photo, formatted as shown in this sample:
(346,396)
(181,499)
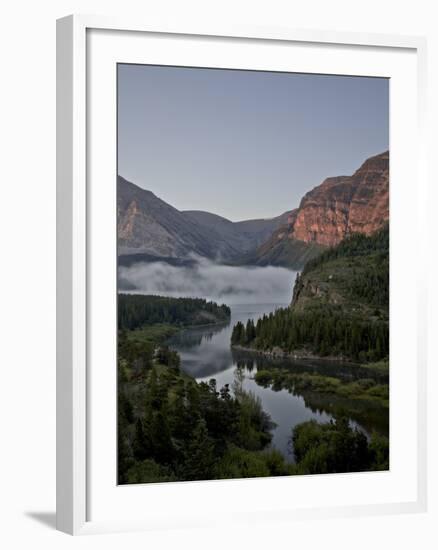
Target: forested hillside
(339,308)
(172,428)
(136,310)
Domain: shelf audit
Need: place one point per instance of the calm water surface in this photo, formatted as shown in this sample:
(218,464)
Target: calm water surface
(206,353)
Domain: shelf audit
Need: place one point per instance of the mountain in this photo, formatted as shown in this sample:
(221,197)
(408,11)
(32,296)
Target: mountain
(344,205)
(352,276)
(148,225)
(338,207)
(149,228)
(243,236)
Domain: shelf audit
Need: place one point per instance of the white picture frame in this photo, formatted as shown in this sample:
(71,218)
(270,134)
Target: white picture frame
(75,219)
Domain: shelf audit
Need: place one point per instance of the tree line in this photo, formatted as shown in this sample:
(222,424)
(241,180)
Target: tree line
(325,328)
(137,310)
(172,428)
(355,245)
(323,331)
(335,447)
(365,263)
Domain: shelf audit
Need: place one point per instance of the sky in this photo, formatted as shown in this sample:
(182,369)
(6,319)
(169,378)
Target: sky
(244,144)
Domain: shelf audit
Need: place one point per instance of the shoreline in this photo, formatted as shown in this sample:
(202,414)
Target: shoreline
(206,325)
(278,353)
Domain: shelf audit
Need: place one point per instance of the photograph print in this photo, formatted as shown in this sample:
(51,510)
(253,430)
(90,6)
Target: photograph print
(253,274)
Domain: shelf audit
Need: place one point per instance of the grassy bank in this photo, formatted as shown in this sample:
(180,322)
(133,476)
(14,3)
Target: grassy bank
(365,389)
(152,334)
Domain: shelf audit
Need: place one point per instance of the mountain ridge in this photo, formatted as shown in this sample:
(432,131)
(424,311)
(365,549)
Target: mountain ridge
(343,205)
(147,224)
(150,227)
(340,206)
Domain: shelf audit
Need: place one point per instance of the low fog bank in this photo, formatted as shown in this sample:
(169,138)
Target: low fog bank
(220,283)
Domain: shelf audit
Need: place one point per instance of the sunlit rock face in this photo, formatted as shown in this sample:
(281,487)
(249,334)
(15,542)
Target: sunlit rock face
(345,204)
(327,214)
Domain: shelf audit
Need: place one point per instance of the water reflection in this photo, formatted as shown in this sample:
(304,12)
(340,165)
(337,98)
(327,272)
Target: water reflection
(206,353)
(365,413)
(343,370)
(194,337)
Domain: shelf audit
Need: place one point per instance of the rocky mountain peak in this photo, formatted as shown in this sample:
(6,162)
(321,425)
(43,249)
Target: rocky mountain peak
(345,204)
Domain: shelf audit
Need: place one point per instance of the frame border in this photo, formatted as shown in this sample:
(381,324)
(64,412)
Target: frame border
(71,248)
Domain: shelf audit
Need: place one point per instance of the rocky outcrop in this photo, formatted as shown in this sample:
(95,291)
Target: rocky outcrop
(339,207)
(344,205)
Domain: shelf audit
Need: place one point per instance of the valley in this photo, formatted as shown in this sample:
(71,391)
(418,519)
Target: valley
(152,230)
(259,347)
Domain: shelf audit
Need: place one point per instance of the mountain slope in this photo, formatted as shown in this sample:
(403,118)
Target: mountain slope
(352,276)
(340,306)
(150,228)
(243,236)
(344,205)
(280,250)
(339,207)
(148,225)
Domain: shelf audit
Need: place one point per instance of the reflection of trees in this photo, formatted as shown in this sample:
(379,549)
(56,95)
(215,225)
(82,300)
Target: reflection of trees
(194,337)
(343,371)
(247,364)
(366,412)
(371,415)
(239,378)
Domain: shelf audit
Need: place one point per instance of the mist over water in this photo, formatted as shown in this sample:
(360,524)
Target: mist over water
(212,281)
(205,351)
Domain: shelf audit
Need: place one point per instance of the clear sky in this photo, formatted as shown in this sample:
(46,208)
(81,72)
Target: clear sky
(244,144)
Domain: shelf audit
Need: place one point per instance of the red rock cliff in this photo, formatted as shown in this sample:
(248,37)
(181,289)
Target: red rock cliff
(345,204)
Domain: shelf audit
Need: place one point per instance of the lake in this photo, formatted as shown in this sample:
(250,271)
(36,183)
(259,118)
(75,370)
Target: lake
(206,353)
